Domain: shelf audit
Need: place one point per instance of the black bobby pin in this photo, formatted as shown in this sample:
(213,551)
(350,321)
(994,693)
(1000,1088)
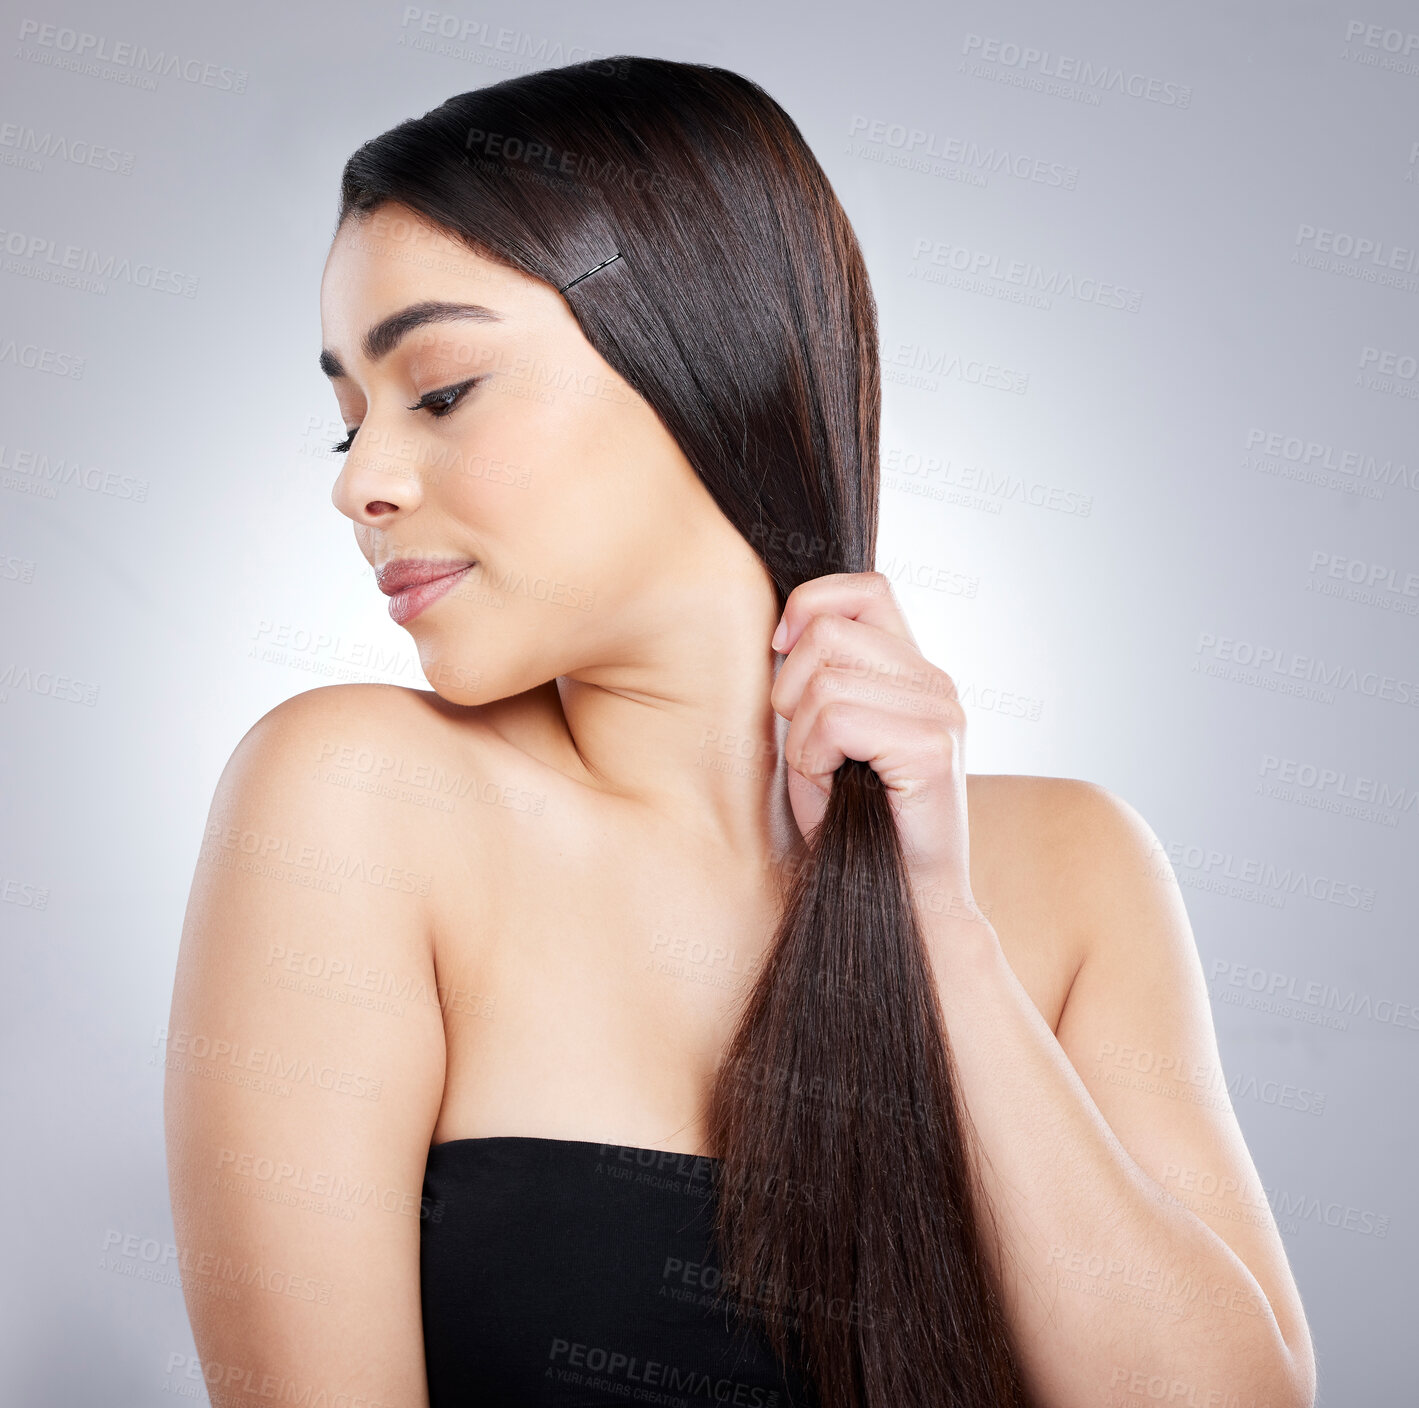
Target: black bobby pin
(590,272)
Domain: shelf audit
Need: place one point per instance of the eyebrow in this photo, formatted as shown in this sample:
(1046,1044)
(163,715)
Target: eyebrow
(380,340)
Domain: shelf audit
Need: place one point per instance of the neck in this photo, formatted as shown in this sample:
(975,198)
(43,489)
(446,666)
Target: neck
(681,723)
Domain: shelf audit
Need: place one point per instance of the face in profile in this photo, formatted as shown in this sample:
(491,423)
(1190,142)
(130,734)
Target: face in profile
(494,450)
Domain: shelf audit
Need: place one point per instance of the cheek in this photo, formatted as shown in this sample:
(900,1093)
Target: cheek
(574,536)
(569,493)
(608,523)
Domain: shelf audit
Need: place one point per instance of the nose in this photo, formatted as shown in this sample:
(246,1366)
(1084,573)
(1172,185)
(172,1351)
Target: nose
(374,483)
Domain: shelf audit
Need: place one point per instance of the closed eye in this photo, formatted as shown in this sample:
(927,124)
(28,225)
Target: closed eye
(437,403)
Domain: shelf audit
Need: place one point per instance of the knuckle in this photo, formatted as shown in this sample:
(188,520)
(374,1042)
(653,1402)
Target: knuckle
(879,584)
(942,683)
(944,747)
(832,712)
(944,688)
(816,686)
(820,633)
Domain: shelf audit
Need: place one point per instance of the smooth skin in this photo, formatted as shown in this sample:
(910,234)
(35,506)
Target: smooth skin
(530,900)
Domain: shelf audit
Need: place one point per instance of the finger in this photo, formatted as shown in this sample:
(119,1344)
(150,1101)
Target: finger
(860,596)
(869,663)
(911,756)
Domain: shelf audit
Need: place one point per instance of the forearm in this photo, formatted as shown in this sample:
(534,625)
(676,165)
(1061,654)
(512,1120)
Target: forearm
(1112,1287)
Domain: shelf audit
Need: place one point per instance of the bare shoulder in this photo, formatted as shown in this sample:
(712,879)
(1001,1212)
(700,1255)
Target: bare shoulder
(352,711)
(344,774)
(1058,802)
(1053,861)
(303,797)
(361,740)
(1056,837)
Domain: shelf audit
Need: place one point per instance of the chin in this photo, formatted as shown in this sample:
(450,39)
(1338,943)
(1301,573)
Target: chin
(459,682)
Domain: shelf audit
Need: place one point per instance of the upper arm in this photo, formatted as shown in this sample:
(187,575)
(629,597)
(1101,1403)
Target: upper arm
(1137,1026)
(304,1068)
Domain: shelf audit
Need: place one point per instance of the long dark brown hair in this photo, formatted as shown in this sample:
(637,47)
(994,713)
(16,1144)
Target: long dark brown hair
(849,1216)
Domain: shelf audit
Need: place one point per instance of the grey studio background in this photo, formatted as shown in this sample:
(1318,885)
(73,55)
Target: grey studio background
(1149,291)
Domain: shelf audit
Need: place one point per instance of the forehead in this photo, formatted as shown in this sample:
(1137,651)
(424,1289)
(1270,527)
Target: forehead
(393,257)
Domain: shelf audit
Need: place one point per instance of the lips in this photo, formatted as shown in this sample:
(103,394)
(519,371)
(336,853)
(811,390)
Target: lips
(412,583)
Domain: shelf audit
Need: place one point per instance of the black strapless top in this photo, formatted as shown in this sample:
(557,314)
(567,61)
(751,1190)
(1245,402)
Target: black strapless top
(564,1272)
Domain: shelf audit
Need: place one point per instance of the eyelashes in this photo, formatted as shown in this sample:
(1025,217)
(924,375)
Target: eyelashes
(437,403)
(441,402)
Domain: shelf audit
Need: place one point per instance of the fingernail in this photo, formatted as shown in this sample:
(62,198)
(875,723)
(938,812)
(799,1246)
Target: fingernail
(777,642)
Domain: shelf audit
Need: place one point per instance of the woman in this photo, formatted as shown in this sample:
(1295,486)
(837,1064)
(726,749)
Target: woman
(742,1048)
